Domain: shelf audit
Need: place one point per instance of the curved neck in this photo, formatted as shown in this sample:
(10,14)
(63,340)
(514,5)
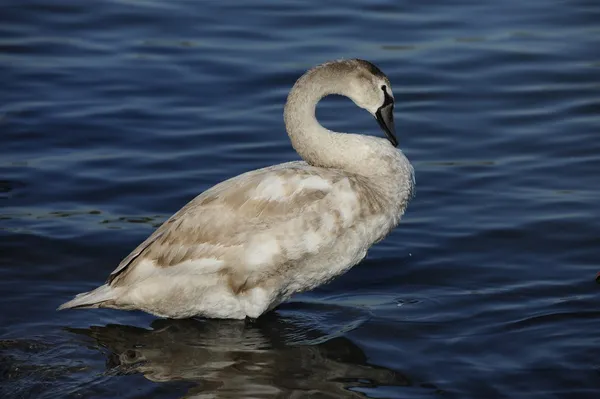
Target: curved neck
(309,138)
(318,146)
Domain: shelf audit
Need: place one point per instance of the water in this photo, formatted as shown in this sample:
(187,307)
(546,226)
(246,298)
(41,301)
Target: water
(114,114)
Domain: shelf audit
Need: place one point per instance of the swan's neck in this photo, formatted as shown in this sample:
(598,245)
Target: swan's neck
(317,145)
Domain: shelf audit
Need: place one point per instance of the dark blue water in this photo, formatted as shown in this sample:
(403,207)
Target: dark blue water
(114,114)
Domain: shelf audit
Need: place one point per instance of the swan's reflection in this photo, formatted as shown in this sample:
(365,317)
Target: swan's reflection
(270,357)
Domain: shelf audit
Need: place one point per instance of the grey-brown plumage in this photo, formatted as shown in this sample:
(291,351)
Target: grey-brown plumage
(248,243)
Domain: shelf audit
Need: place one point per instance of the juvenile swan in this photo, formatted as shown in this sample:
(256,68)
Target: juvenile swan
(247,244)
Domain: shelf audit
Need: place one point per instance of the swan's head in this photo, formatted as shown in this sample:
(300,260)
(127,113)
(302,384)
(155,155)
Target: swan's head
(370,89)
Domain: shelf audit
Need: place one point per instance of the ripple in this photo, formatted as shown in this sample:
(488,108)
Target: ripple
(115,116)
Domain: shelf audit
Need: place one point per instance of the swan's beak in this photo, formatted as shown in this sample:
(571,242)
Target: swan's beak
(385,117)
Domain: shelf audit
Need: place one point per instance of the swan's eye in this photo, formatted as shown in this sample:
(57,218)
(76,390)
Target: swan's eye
(387,99)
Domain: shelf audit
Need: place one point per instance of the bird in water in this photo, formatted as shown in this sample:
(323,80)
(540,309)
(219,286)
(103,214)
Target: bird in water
(247,244)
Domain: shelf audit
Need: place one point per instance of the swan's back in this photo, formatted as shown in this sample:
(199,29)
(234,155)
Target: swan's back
(259,220)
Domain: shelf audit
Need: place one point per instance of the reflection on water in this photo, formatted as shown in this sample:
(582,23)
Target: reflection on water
(241,359)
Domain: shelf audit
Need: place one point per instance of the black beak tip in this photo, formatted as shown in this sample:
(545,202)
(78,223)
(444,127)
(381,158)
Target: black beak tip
(385,118)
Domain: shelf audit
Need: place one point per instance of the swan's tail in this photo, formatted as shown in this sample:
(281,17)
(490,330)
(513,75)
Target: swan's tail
(101,297)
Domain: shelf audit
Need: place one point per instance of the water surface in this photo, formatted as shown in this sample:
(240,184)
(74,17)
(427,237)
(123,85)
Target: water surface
(114,114)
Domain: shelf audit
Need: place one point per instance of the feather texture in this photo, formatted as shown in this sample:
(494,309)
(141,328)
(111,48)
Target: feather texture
(248,243)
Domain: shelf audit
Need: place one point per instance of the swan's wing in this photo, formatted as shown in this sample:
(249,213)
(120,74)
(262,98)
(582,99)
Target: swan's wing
(251,222)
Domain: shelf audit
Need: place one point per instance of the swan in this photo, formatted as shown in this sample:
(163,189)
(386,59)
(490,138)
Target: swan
(247,244)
